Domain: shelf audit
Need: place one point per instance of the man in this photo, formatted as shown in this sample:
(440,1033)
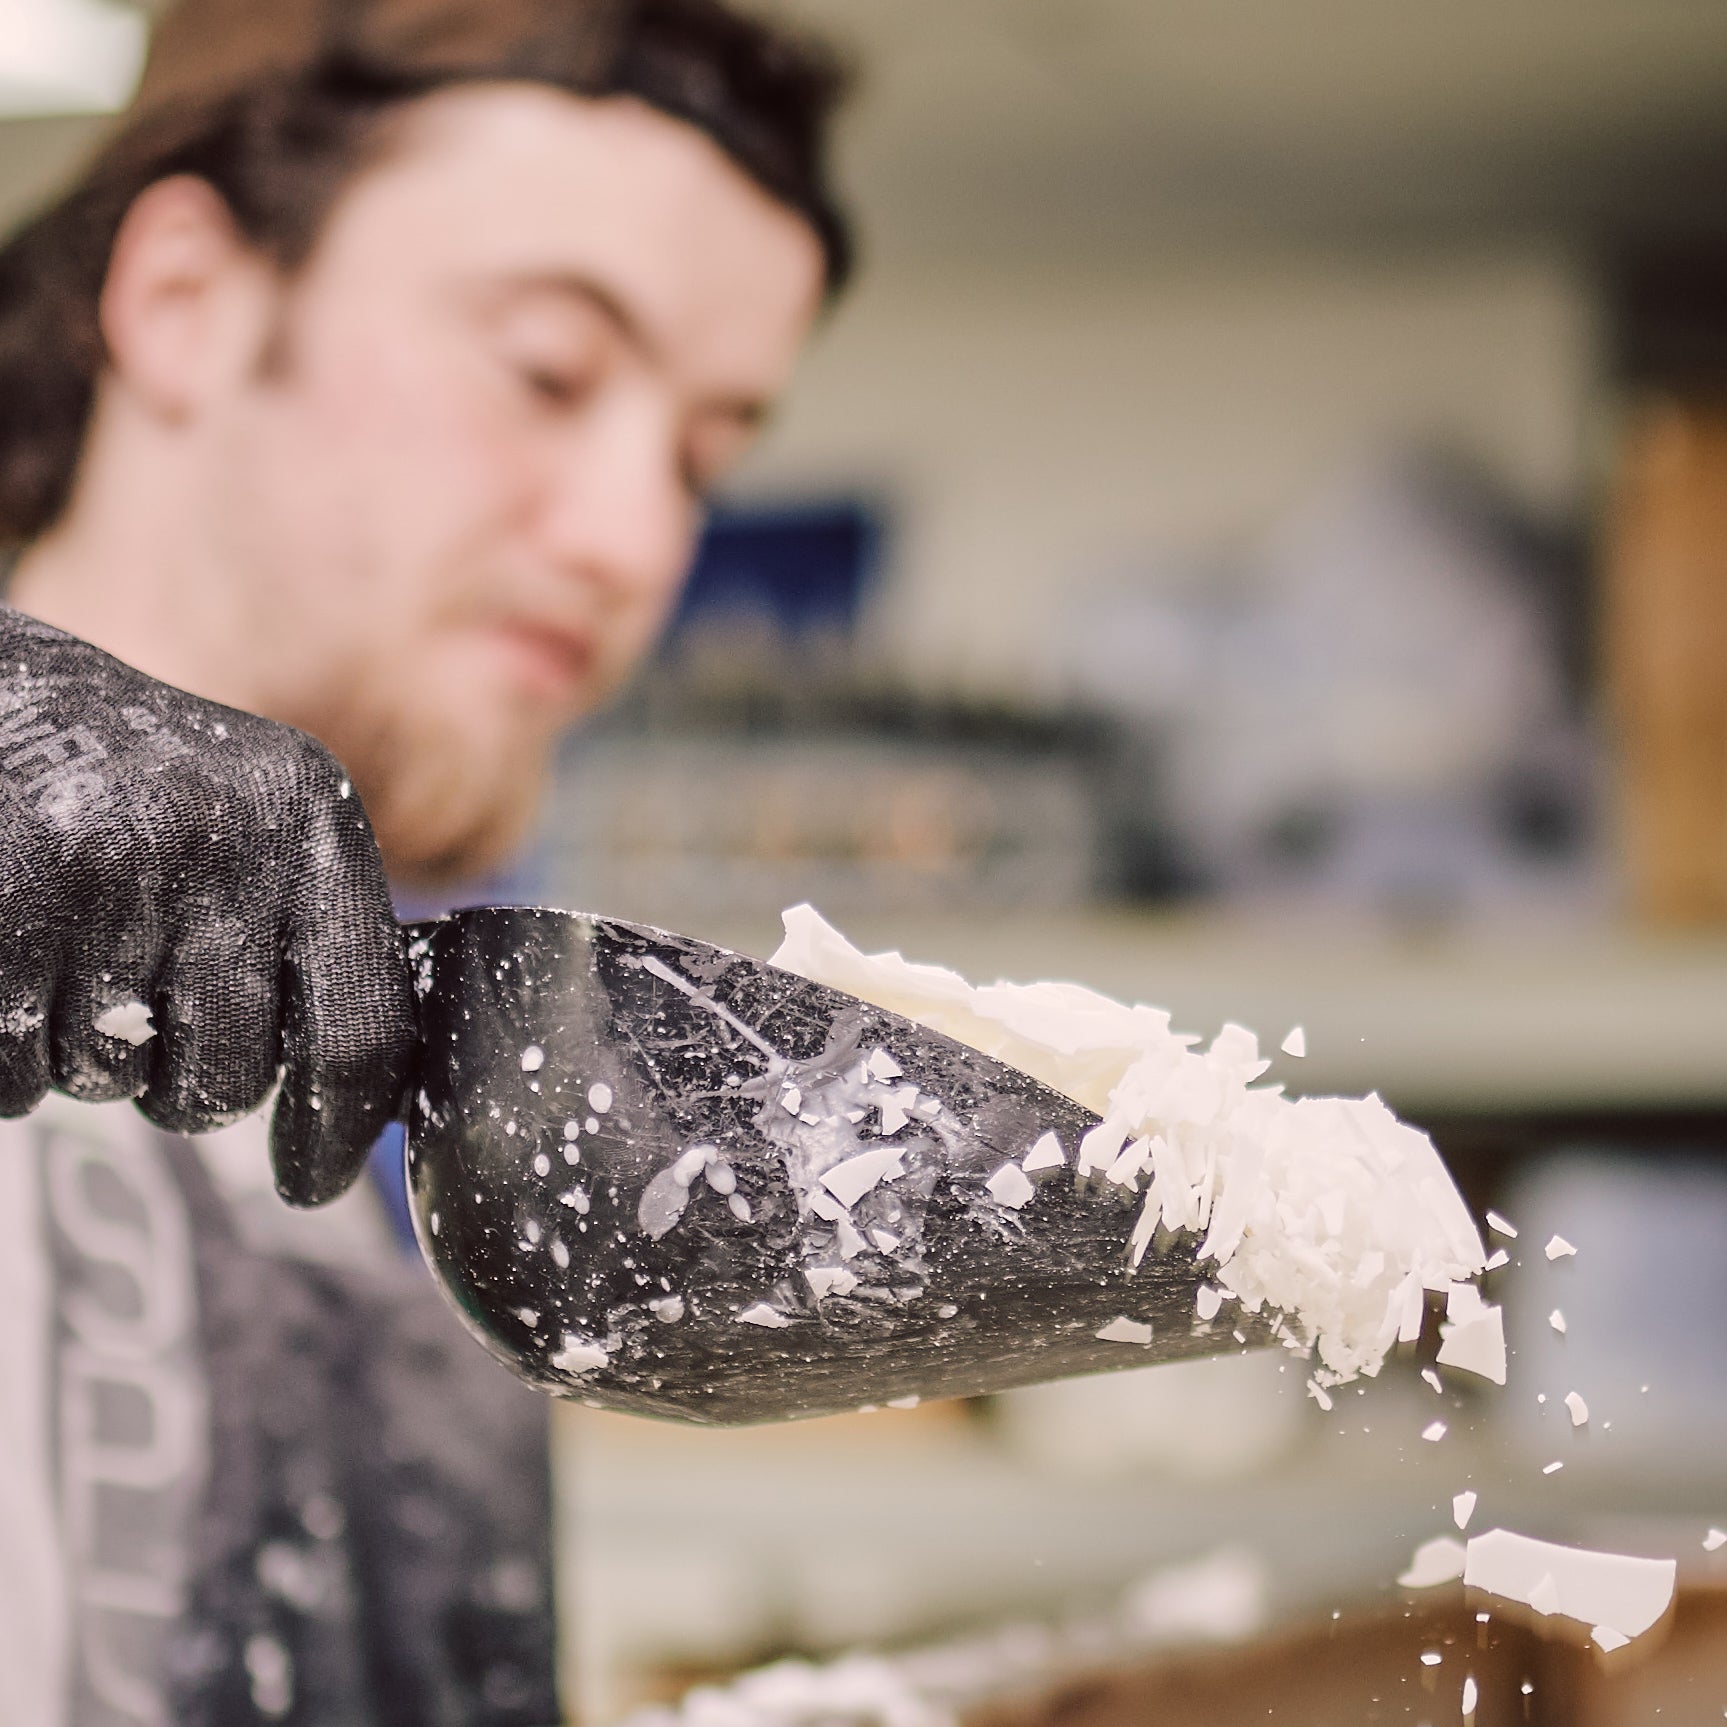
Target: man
(369,381)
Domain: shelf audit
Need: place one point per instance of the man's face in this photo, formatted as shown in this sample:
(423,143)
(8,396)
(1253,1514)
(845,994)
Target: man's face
(460,490)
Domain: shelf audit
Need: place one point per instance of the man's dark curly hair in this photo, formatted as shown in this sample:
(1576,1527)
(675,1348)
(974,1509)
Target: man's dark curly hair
(278,104)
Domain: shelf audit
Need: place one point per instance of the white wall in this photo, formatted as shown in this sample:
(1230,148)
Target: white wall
(1037,428)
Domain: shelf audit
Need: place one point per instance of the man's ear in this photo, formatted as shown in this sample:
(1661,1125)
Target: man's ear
(187,303)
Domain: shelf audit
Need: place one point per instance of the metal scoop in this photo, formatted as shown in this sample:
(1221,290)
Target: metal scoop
(666,1178)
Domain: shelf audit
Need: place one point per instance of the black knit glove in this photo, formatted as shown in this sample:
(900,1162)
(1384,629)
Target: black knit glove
(160,852)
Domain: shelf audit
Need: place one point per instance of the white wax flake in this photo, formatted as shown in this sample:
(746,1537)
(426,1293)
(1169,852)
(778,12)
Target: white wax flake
(885,1239)
(1319,1394)
(1431,1657)
(826,1280)
(542,1164)
(579,1355)
(129,1022)
(910,1402)
(1559,1248)
(1010,1187)
(1463,1508)
(1470,1696)
(1477,1344)
(1207,1302)
(1329,1211)
(1579,1409)
(1433,1432)
(667,1309)
(1295,1044)
(1497,1259)
(599,1097)
(1552,1468)
(761,1314)
(1433,1379)
(1125,1330)
(529,1316)
(882,1066)
(1557,1320)
(849,1181)
(1625,1593)
(791,1100)
(847,1238)
(1607,1639)
(1437,1561)
(435,1222)
(533,1058)
(1714,1540)
(1046,1154)
(1500,1227)
(896,1109)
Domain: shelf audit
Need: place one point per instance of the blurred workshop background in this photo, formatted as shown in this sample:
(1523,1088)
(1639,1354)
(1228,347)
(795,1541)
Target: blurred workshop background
(1256,542)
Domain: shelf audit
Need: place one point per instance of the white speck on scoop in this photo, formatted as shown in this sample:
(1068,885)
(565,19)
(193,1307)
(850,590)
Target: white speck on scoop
(129,1022)
(668,1310)
(591,1125)
(529,1316)
(579,1355)
(542,1164)
(1559,1248)
(1295,1044)
(435,1222)
(739,1207)
(533,1058)
(560,1254)
(1125,1330)
(599,1097)
(1046,1154)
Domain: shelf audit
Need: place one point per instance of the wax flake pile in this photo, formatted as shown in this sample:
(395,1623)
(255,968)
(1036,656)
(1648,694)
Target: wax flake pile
(1329,1211)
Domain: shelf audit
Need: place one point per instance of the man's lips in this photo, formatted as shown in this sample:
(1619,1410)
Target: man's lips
(550,660)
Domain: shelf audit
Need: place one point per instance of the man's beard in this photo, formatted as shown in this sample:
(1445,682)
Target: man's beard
(449,802)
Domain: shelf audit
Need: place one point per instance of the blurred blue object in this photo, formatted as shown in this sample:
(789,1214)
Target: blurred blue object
(805,568)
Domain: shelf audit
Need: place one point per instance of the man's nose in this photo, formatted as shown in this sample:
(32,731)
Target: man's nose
(618,512)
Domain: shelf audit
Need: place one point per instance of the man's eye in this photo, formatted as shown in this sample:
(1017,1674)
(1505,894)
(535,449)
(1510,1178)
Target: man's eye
(556,386)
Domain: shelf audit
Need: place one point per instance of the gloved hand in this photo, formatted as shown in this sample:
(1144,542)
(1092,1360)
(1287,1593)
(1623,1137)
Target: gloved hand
(214,867)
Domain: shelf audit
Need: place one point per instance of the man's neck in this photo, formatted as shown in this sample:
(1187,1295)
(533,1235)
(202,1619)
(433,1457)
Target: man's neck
(113,572)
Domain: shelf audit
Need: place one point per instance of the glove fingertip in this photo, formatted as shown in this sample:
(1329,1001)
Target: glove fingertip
(315,1157)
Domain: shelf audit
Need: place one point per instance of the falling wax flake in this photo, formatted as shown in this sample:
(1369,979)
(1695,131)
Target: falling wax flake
(1552,1468)
(1318,1393)
(129,1022)
(1009,1186)
(1474,1340)
(1557,1320)
(1125,1330)
(1500,1227)
(1499,1257)
(1469,1696)
(1433,1379)
(1433,1432)
(1579,1409)
(533,1058)
(1624,1593)
(1437,1561)
(1559,1248)
(1431,1657)
(1463,1508)
(1716,1538)
(1295,1044)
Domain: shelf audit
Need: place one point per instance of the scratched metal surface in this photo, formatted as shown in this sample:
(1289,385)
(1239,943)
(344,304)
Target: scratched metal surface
(602,1267)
